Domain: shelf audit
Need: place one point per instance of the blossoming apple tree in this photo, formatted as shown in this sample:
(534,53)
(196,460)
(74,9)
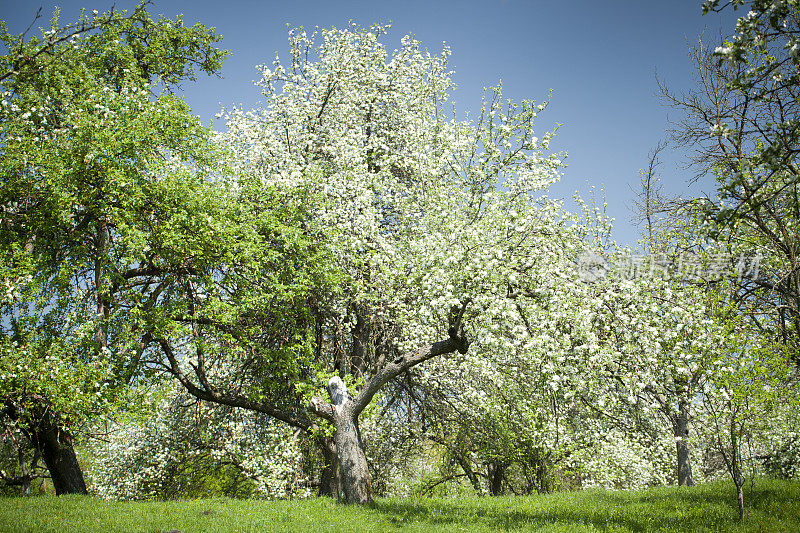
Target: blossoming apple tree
(419,212)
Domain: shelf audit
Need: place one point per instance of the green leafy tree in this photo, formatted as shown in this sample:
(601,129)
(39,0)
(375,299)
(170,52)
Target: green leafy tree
(741,124)
(745,402)
(739,377)
(102,178)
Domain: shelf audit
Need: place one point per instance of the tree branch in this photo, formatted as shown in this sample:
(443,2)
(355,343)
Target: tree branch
(212,394)
(456,342)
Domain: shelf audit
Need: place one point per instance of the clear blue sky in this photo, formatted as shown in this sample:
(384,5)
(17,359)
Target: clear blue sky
(599,58)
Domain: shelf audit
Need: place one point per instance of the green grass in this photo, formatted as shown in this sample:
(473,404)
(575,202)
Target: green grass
(775,507)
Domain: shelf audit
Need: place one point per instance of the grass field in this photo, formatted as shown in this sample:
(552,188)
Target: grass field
(775,507)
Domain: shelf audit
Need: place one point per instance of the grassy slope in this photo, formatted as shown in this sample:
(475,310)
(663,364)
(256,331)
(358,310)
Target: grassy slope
(775,507)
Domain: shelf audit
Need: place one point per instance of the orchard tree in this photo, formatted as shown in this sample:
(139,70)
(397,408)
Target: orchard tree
(661,346)
(628,351)
(502,411)
(745,403)
(741,124)
(101,186)
(414,209)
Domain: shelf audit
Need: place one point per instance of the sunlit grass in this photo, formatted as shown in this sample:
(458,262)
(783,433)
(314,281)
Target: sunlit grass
(775,506)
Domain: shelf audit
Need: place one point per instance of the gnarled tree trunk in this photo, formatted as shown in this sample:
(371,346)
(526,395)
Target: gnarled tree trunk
(496,472)
(343,411)
(356,482)
(55,445)
(353,472)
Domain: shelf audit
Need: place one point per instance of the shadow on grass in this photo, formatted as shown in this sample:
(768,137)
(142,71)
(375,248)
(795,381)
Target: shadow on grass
(672,509)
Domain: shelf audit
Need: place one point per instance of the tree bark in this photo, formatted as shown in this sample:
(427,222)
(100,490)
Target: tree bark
(496,472)
(356,482)
(735,468)
(329,484)
(54,443)
(354,479)
(680,426)
(471,475)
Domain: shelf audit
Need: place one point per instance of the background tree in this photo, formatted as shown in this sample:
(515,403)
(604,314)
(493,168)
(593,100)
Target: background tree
(745,403)
(741,124)
(184,448)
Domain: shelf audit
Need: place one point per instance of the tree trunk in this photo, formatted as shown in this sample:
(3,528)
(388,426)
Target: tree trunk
(680,426)
(495,472)
(541,475)
(355,479)
(54,443)
(465,466)
(329,484)
(353,471)
(343,410)
(740,498)
(735,468)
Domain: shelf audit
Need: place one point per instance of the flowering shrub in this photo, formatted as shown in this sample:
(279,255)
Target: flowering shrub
(784,462)
(623,461)
(190,449)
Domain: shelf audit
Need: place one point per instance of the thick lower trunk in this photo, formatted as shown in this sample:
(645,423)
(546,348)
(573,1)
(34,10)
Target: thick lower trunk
(681,432)
(329,478)
(55,445)
(343,410)
(495,472)
(354,474)
(354,480)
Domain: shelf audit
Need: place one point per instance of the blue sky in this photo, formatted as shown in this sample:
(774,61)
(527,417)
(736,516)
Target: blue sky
(600,59)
